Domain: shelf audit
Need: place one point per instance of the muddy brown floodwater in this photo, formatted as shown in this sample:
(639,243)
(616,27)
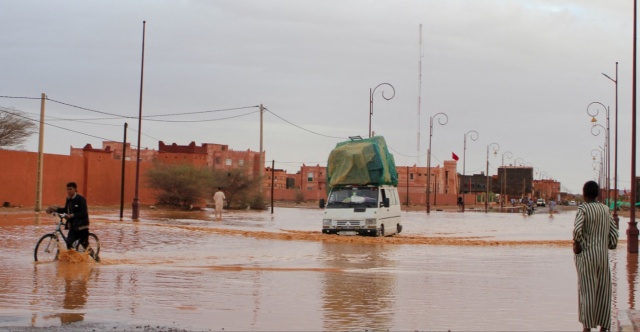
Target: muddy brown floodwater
(257,271)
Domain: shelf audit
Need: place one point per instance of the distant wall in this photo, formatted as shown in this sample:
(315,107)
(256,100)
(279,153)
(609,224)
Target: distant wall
(97,175)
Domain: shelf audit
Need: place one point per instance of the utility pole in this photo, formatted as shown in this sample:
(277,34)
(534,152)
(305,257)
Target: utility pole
(40,156)
(273,179)
(124,154)
(261,169)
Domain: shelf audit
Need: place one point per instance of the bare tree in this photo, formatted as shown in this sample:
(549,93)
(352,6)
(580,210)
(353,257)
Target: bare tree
(15,127)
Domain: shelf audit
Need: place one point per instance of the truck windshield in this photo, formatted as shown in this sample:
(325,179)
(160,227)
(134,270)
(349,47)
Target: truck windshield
(353,197)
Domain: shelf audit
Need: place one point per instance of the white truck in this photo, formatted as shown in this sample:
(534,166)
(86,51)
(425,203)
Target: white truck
(363,197)
(362,210)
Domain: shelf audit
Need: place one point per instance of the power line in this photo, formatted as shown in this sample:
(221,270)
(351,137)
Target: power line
(16,97)
(404,155)
(48,124)
(149,117)
(205,120)
(299,127)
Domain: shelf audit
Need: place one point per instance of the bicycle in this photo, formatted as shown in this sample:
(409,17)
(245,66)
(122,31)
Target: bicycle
(47,246)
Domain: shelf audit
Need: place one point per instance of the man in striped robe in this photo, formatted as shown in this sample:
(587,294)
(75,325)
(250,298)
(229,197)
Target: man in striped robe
(596,232)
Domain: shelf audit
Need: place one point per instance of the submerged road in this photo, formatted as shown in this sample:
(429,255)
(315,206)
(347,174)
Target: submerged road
(257,271)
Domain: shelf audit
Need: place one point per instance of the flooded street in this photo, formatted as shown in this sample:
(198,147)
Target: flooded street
(262,272)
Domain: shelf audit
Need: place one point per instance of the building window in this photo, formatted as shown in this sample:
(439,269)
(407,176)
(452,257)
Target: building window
(310,177)
(309,188)
(217,161)
(228,162)
(241,162)
(411,176)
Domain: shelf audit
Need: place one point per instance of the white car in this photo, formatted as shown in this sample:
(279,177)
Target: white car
(541,202)
(572,203)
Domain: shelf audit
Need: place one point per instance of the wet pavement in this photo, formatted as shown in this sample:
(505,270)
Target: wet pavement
(255,271)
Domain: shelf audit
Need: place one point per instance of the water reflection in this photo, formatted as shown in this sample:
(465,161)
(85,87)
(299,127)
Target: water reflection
(362,296)
(75,278)
(61,287)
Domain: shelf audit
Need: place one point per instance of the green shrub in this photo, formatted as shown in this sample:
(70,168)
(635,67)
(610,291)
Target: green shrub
(179,185)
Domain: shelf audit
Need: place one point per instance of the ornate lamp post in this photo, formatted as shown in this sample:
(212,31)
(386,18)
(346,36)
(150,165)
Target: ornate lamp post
(595,131)
(515,161)
(474,136)
(440,121)
(600,163)
(615,155)
(504,177)
(495,152)
(371,93)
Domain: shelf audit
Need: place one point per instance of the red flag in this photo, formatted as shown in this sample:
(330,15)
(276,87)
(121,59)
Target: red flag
(454,156)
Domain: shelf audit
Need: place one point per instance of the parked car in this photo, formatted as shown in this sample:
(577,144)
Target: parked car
(572,203)
(541,202)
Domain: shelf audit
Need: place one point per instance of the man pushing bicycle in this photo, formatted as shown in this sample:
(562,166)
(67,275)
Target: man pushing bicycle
(77,215)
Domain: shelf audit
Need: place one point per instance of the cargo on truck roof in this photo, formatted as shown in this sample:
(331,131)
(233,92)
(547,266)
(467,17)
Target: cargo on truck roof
(361,161)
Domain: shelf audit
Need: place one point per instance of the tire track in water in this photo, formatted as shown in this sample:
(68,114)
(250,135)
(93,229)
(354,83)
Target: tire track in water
(294,235)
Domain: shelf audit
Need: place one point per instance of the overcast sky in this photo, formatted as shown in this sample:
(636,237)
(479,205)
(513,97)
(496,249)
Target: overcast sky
(520,73)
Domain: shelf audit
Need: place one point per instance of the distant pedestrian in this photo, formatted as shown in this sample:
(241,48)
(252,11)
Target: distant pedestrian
(552,207)
(594,233)
(460,202)
(218,199)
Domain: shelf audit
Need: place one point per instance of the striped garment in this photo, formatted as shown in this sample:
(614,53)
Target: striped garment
(596,231)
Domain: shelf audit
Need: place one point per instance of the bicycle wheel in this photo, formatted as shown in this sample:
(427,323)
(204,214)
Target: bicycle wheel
(93,248)
(47,248)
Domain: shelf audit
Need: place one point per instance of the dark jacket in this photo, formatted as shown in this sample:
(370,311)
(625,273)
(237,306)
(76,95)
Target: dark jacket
(78,207)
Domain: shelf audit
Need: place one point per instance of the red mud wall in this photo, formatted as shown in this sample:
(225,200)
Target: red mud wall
(97,176)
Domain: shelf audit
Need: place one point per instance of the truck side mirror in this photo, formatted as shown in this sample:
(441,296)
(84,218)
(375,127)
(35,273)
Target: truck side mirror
(386,202)
(322,203)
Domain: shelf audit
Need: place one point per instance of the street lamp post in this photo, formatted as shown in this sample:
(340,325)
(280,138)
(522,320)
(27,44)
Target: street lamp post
(515,161)
(601,168)
(440,121)
(503,183)
(474,136)
(632,231)
(371,93)
(615,155)
(495,151)
(135,206)
(595,132)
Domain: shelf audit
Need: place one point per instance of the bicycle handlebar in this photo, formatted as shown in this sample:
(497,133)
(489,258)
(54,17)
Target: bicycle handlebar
(61,215)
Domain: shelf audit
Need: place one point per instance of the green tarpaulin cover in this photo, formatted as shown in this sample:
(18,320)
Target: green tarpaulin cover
(361,162)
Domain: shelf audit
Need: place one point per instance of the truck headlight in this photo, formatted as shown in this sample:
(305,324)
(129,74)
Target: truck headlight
(371,221)
(326,222)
